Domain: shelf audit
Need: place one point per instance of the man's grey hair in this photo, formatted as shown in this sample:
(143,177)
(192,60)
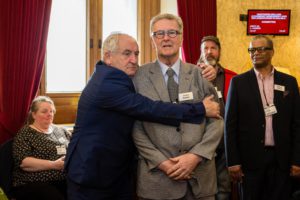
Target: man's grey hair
(111,43)
(167,16)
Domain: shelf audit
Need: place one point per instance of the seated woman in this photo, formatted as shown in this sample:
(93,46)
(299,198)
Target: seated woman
(39,150)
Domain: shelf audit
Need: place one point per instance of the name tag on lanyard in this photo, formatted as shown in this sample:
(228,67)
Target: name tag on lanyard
(270,110)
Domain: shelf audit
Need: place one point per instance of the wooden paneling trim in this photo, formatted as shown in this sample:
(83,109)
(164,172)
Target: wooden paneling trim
(95,23)
(146,10)
(63,95)
(66,107)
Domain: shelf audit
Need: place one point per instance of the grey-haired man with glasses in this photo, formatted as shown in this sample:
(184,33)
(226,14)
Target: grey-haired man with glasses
(175,162)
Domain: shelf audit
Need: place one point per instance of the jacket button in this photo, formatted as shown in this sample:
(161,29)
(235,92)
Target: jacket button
(178,129)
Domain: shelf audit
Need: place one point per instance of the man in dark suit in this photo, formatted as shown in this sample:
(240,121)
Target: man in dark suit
(262,127)
(100,156)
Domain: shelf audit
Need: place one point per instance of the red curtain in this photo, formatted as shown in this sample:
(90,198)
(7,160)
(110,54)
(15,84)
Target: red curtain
(23,37)
(199,19)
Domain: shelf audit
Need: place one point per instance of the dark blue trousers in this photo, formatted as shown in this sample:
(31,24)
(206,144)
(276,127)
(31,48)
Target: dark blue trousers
(122,190)
(267,183)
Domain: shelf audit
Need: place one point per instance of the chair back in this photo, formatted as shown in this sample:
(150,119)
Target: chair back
(6,166)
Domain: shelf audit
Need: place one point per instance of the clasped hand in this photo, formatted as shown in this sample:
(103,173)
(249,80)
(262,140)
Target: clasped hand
(180,167)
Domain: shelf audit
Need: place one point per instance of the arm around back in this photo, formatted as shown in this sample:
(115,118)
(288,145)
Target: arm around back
(115,91)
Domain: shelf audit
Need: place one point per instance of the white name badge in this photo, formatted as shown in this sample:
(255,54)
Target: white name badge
(61,150)
(186,96)
(279,87)
(219,93)
(270,110)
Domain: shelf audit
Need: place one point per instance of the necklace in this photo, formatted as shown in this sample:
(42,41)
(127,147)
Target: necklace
(48,131)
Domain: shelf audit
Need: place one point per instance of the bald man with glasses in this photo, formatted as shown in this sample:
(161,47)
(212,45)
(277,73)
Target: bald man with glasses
(262,127)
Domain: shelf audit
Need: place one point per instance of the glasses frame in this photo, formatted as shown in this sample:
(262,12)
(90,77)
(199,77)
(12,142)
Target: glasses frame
(259,49)
(170,33)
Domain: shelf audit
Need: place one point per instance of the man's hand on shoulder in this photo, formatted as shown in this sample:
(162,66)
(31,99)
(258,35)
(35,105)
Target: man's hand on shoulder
(212,108)
(208,71)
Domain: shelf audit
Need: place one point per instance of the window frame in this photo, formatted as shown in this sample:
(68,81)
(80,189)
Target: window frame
(66,103)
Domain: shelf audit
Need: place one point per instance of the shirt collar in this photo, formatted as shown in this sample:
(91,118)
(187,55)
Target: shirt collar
(258,74)
(175,67)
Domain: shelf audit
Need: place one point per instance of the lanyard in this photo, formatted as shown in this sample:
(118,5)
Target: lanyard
(265,96)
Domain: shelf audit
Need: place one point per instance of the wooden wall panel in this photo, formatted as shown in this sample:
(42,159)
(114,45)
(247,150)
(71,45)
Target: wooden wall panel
(146,10)
(66,107)
(234,40)
(95,32)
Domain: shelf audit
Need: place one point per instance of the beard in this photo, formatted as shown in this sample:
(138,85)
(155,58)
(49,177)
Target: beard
(210,60)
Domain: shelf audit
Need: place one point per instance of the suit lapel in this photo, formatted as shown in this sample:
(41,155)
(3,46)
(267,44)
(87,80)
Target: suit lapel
(278,95)
(185,78)
(158,82)
(255,89)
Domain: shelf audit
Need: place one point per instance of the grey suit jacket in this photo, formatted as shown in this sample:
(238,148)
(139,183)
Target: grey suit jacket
(157,143)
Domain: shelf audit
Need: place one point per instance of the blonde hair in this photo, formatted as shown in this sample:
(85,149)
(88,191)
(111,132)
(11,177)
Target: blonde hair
(34,107)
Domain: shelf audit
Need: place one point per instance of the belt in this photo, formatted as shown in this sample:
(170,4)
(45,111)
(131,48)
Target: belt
(269,147)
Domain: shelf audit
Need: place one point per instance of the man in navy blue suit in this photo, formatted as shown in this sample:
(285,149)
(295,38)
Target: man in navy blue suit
(100,157)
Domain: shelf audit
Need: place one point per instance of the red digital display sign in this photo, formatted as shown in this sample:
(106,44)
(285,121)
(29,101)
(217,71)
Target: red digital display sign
(268,22)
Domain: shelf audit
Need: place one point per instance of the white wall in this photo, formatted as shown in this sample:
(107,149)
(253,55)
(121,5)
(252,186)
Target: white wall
(168,6)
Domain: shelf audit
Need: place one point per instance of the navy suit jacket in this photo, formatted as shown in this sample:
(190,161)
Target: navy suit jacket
(245,122)
(101,148)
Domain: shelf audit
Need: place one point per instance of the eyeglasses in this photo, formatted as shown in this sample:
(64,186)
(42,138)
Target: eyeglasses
(161,33)
(258,49)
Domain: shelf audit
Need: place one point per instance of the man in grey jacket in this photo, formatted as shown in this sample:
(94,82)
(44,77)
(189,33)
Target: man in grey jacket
(177,163)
